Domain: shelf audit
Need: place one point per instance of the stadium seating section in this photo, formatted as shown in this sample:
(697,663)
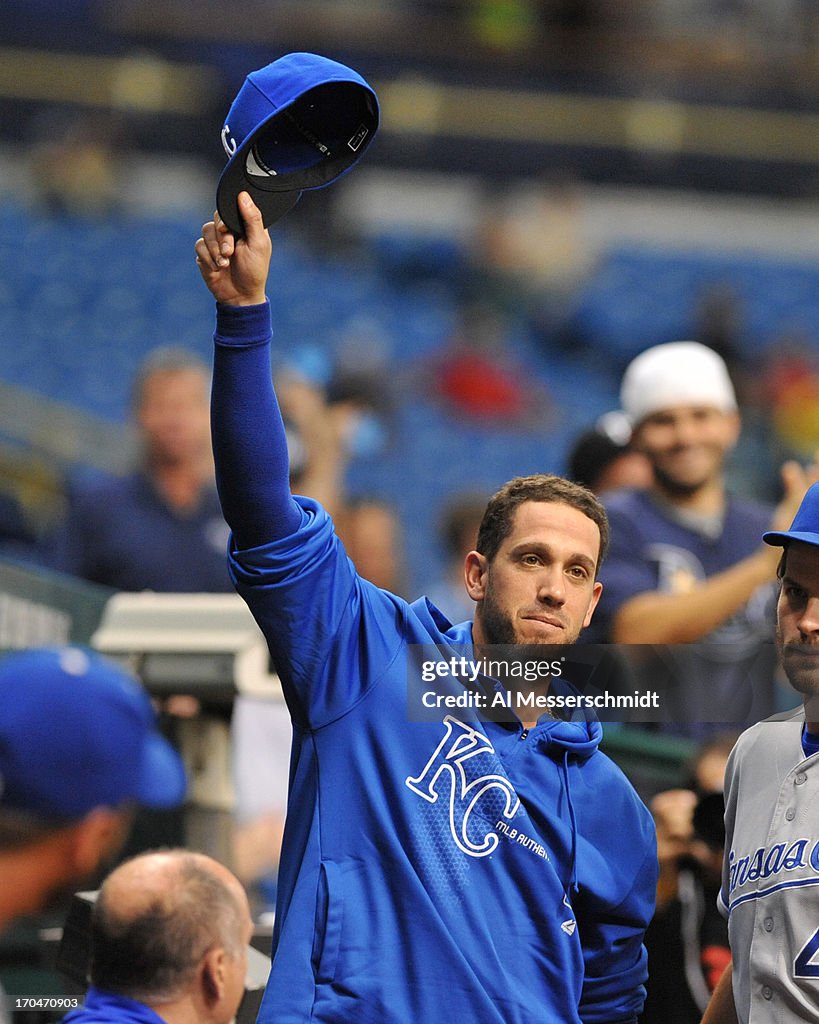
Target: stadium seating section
(82,301)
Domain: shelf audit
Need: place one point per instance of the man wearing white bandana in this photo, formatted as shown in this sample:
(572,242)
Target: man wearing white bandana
(686,564)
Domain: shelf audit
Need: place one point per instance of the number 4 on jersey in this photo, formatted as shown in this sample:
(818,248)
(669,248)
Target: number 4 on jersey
(804,965)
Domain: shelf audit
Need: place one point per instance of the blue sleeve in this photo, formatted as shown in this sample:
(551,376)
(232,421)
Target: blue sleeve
(249,442)
(331,634)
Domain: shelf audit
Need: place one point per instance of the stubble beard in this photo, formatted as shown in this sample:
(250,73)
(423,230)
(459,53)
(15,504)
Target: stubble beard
(497,625)
(801,664)
(498,628)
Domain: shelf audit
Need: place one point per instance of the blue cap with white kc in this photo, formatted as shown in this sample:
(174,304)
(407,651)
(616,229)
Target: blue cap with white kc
(298,123)
(78,732)
(805,525)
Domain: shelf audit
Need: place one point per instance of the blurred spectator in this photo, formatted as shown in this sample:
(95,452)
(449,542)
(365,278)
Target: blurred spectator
(371,533)
(687,940)
(74,162)
(686,561)
(719,326)
(478,379)
(603,458)
(321,435)
(458,531)
(169,939)
(318,457)
(78,750)
(533,250)
(361,390)
(161,527)
(328,426)
(261,734)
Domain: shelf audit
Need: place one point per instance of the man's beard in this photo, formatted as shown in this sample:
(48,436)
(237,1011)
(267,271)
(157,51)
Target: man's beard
(498,627)
(801,665)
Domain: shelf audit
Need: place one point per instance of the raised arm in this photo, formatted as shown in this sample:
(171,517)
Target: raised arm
(656,617)
(249,441)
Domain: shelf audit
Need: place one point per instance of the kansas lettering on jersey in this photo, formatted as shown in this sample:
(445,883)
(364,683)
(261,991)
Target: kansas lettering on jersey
(780,866)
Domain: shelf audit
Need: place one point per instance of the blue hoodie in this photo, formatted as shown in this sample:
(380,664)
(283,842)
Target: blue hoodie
(100,1007)
(439,870)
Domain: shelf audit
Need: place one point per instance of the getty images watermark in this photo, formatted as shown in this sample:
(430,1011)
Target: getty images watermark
(512,688)
(616,683)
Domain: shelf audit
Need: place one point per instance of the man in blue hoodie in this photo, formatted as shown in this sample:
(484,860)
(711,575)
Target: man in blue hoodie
(439,866)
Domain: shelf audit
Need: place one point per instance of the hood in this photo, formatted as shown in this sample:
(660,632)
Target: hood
(576,740)
(434,621)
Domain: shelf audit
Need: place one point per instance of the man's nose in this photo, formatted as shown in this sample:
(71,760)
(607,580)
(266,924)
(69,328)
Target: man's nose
(552,585)
(685,431)
(809,619)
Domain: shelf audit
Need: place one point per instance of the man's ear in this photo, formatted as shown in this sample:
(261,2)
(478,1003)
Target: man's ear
(596,592)
(476,567)
(212,975)
(96,838)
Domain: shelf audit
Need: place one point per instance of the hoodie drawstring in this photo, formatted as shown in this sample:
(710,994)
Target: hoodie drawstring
(573,884)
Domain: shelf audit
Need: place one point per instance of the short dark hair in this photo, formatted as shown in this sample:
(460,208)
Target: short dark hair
(499,516)
(593,453)
(153,955)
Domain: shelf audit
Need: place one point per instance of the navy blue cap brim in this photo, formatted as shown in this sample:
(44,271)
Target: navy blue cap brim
(778,539)
(163,782)
(273,205)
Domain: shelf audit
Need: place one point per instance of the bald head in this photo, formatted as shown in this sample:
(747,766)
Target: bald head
(155,918)
(159,881)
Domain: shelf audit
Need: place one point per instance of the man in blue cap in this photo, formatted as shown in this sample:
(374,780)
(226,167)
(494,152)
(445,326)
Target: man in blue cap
(79,750)
(770,880)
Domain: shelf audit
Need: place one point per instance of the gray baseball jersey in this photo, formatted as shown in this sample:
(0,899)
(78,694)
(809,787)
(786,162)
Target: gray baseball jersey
(770,884)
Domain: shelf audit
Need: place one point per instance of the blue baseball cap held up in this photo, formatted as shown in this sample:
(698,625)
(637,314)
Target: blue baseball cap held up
(78,732)
(298,123)
(805,525)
